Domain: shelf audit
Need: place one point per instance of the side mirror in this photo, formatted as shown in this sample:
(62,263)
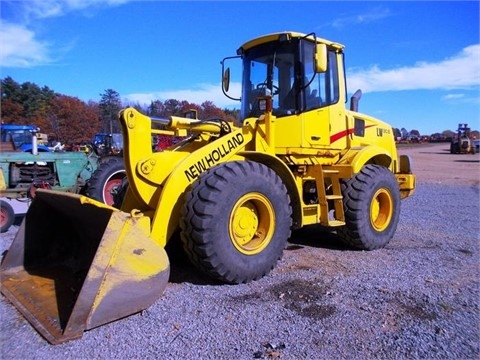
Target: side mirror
(321,58)
(226,79)
(226,76)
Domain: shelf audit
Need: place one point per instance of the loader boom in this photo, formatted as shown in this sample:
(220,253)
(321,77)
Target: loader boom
(158,180)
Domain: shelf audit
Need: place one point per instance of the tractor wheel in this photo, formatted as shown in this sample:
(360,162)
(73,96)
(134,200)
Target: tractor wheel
(236,221)
(371,201)
(7,216)
(106,180)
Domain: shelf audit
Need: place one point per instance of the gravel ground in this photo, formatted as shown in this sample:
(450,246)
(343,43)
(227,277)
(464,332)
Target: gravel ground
(416,298)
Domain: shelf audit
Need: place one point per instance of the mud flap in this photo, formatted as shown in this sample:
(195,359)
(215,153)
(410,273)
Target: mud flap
(77,263)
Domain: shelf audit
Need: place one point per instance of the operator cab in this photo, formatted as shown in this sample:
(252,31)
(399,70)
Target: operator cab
(287,67)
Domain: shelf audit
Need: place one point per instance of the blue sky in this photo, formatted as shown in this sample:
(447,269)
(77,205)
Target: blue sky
(417,63)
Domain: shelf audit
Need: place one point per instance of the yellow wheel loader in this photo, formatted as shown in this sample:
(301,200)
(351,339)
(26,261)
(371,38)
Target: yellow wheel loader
(234,191)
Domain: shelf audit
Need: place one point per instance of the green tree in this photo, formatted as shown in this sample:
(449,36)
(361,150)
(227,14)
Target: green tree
(11,90)
(156,108)
(172,107)
(35,100)
(25,103)
(110,105)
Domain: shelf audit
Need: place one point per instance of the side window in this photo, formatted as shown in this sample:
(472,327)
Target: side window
(312,98)
(324,89)
(331,85)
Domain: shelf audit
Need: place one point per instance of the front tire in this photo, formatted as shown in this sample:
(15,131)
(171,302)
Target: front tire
(106,180)
(371,201)
(236,221)
(7,216)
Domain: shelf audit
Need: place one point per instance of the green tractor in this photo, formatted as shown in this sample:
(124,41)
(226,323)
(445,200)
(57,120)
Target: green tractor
(23,172)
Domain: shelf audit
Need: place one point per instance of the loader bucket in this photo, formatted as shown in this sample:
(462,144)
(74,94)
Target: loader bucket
(76,263)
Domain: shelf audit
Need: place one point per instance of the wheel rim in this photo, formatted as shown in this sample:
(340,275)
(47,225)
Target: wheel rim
(3,217)
(111,186)
(251,223)
(381,210)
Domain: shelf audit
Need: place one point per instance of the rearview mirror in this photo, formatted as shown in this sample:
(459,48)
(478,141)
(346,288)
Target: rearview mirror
(226,79)
(321,58)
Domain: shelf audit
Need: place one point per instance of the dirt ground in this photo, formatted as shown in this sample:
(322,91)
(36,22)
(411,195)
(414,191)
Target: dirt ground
(433,163)
(415,299)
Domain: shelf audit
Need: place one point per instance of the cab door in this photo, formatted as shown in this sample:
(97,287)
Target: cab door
(323,111)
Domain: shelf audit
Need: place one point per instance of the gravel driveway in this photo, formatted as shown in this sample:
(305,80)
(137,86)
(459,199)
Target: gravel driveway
(416,298)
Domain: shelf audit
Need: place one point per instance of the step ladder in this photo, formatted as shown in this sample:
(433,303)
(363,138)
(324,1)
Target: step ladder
(338,218)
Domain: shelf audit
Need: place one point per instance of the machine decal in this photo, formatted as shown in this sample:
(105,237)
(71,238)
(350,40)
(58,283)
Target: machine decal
(213,157)
(344,133)
(381,131)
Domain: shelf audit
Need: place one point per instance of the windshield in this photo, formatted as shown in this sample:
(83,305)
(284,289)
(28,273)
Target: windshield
(285,70)
(19,137)
(99,139)
(269,70)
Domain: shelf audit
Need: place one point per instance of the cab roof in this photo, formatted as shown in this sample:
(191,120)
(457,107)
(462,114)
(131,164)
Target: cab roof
(286,35)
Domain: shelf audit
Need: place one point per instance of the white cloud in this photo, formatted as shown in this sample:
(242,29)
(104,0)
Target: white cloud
(375,14)
(453,96)
(20,48)
(197,95)
(42,9)
(461,71)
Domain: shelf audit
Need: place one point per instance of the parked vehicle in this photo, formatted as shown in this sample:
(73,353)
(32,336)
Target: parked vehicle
(234,192)
(462,143)
(19,138)
(23,172)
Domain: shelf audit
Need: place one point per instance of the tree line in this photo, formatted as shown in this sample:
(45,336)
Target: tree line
(69,120)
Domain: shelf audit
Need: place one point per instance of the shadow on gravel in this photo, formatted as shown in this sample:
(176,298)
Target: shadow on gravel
(446,152)
(181,268)
(316,236)
(467,161)
(18,219)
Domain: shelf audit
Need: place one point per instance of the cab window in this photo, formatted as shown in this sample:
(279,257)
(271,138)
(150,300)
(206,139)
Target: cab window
(321,89)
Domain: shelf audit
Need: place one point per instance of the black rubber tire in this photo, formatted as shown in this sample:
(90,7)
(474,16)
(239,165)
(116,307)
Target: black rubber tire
(106,179)
(120,194)
(371,201)
(7,216)
(216,209)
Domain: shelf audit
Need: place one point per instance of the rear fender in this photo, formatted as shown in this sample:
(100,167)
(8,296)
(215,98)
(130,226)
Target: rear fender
(372,154)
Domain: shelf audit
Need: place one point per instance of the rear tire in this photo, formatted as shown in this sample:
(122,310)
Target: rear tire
(106,180)
(371,201)
(7,216)
(236,221)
